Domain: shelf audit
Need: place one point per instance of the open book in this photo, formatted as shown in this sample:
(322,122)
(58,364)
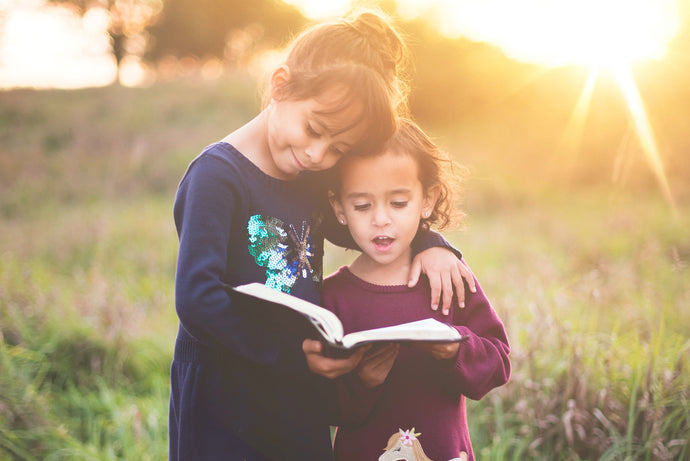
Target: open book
(330,328)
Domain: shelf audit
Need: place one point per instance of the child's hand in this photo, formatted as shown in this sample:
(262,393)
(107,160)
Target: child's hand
(444,271)
(376,365)
(441,351)
(326,366)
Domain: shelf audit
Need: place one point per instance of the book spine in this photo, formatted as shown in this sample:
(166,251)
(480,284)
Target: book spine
(335,351)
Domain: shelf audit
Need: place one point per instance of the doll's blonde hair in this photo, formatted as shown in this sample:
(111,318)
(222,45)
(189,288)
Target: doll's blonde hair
(419,454)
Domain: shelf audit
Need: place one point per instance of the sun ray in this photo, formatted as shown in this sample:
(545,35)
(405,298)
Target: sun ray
(622,163)
(626,81)
(574,130)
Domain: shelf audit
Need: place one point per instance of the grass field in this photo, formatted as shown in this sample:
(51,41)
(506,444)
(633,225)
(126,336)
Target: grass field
(591,280)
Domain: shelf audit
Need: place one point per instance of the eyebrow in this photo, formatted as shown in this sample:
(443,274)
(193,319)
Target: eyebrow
(402,190)
(352,195)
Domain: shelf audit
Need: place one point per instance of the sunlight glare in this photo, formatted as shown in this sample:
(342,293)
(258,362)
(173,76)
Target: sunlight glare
(564,32)
(598,33)
(52,47)
(574,131)
(320,9)
(626,82)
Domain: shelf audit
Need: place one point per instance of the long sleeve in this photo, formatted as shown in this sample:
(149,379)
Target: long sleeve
(420,391)
(483,361)
(239,377)
(205,214)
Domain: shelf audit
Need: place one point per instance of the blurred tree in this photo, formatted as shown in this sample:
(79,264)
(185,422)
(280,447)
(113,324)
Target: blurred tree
(128,19)
(213,27)
(454,77)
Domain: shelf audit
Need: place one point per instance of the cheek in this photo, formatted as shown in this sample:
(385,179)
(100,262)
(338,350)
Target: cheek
(412,219)
(357,223)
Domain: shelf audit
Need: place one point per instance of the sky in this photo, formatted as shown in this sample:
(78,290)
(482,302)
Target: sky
(53,47)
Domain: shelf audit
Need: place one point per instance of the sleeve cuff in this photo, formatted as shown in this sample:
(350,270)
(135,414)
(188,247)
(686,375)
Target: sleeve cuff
(426,239)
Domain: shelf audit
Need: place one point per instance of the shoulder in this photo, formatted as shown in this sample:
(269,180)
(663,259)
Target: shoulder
(221,169)
(336,279)
(215,159)
(212,185)
(339,290)
(337,284)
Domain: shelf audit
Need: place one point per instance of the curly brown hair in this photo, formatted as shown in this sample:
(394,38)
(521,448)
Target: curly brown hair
(435,170)
(434,167)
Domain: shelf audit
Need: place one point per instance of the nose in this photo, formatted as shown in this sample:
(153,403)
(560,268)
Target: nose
(381,216)
(317,151)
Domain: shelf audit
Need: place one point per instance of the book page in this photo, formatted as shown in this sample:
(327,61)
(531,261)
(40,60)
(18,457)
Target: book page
(324,320)
(421,330)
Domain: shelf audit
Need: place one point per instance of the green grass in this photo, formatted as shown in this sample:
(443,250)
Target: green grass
(590,280)
(594,294)
(87,323)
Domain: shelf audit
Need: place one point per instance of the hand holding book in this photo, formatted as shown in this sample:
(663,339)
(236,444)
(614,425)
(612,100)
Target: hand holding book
(376,364)
(330,329)
(329,366)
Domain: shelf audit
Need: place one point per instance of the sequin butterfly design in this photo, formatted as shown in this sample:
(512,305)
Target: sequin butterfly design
(285,253)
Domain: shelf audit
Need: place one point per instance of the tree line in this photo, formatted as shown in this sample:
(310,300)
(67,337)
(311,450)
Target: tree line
(454,82)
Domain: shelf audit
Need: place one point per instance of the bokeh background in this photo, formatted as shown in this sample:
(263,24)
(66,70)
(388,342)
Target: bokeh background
(571,120)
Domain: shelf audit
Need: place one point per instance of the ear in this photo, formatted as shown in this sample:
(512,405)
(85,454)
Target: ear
(429,201)
(338,209)
(279,78)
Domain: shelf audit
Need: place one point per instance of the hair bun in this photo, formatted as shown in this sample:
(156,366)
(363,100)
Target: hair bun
(381,36)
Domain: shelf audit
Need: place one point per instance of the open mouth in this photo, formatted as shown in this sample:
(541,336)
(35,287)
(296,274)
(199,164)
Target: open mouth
(383,243)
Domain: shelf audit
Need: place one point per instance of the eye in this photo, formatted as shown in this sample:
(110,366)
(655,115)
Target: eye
(311,131)
(338,151)
(399,204)
(362,206)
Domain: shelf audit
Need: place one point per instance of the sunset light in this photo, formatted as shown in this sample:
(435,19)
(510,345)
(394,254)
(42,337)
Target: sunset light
(573,134)
(51,47)
(157,154)
(606,35)
(639,119)
(319,9)
(559,32)
(544,32)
